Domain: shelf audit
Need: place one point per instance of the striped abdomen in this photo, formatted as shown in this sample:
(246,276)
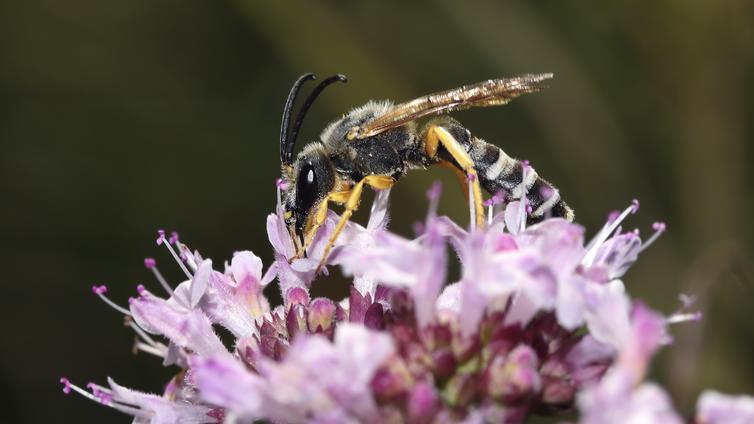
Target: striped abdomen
(499,172)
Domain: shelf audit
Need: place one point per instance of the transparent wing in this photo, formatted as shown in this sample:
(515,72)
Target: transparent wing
(493,92)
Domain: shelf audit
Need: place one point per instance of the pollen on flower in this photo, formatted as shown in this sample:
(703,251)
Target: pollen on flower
(160,237)
(540,321)
(635,205)
(280,184)
(66,385)
(98,290)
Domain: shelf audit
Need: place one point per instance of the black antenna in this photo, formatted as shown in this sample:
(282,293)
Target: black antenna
(305,108)
(286,148)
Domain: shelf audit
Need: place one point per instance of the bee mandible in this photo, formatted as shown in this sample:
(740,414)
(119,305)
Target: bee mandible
(378,143)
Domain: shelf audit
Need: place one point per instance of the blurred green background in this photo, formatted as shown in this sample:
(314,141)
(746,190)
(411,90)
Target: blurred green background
(119,118)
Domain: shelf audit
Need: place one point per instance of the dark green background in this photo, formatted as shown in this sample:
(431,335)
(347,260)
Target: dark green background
(119,118)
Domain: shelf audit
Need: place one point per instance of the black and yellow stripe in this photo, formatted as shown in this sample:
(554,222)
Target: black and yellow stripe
(499,172)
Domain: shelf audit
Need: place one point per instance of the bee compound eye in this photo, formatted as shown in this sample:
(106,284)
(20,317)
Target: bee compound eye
(306,186)
(307,176)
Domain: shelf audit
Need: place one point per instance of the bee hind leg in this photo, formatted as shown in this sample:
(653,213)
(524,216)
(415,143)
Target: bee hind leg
(377,182)
(462,178)
(437,135)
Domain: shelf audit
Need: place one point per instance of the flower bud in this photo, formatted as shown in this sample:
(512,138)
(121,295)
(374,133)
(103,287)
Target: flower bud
(423,403)
(373,318)
(321,313)
(391,381)
(296,295)
(443,364)
(295,320)
(513,378)
(557,391)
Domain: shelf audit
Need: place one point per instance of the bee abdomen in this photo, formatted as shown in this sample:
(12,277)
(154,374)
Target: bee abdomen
(499,172)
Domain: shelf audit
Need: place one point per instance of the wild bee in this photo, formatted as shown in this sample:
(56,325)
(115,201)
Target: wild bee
(378,143)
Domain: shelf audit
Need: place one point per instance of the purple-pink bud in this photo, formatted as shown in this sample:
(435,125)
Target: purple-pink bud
(295,320)
(296,295)
(173,237)
(391,381)
(443,363)
(374,317)
(321,314)
(423,403)
(150,263)
(557,392)
(513,378)
(635,204)
(99,290)
(140,289)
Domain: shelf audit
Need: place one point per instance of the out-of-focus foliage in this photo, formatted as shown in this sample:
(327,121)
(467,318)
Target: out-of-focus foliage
(117,118)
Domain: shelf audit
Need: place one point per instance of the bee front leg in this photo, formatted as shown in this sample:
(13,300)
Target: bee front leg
(377,182)
(437,135)
(319,218)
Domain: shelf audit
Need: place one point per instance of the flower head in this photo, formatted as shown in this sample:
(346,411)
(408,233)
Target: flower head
(539,321)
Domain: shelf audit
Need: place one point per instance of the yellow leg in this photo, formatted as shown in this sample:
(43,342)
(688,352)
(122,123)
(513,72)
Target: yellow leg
(319,217)
(378,182)
(438,135)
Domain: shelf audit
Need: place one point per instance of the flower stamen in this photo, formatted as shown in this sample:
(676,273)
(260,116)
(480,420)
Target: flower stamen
(100,291)
(161,240)
(605,232)
(151,265)
(659,228)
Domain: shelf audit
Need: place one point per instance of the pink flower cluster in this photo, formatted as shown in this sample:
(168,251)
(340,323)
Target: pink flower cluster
(539,323)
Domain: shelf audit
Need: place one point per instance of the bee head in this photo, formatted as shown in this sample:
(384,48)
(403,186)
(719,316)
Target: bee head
(312,177)
(311,180)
